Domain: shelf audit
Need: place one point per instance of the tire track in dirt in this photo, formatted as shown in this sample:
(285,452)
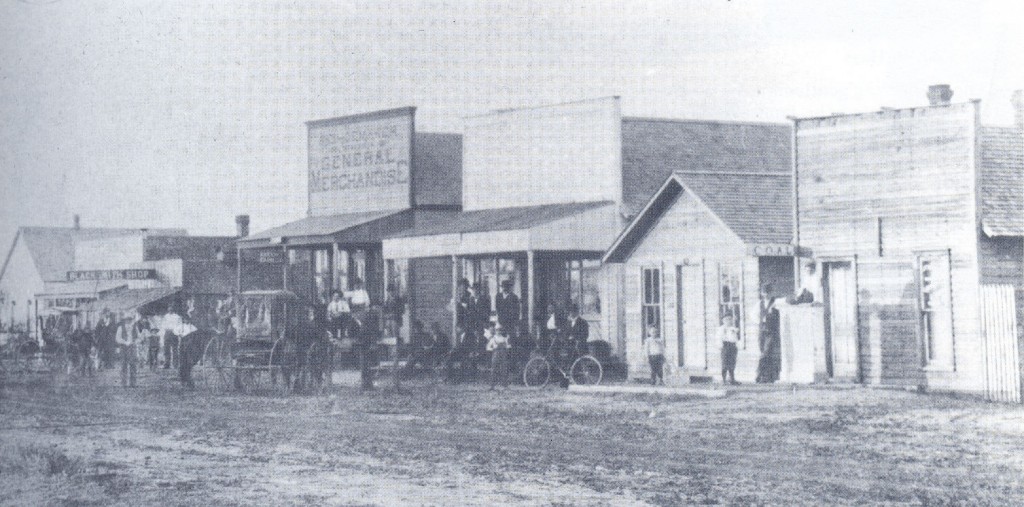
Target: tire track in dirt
(693,460)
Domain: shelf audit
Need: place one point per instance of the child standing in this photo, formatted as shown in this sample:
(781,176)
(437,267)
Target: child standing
(654,345)
(728,335)
(498,346)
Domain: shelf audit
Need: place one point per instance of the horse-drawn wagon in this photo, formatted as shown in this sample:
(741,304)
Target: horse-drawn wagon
(262,350)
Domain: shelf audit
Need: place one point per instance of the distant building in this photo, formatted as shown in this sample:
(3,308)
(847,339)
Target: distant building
(49,269)
(916,218)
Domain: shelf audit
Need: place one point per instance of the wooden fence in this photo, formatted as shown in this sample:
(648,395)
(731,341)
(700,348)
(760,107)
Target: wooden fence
(999,324)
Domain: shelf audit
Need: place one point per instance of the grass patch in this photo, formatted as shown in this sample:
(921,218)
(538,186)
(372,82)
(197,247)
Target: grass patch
(29,460)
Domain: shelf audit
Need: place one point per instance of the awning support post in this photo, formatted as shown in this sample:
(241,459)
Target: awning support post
(531,284)
(455,301)
(284,268)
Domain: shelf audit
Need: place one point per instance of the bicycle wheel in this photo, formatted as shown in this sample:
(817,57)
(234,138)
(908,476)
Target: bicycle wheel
(586,371)
(537,372)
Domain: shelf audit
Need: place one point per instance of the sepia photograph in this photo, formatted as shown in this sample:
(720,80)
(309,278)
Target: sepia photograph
(511,252)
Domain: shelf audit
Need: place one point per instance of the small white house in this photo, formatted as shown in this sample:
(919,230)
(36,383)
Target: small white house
(699,250)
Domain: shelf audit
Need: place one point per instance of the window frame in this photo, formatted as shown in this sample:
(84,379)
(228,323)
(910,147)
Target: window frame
(736,297)
(926,317)
(651,302)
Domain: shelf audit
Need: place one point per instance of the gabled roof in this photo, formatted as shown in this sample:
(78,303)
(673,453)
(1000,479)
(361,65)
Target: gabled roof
(1002,181)
(499,219)
(652,149)
(53,248)
(757,207)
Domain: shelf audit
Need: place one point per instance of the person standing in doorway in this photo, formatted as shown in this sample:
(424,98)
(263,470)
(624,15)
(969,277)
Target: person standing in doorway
(728,335)
(654,346)
(507,306)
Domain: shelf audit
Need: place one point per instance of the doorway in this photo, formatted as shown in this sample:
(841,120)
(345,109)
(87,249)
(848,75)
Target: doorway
(690,315)
(841,351)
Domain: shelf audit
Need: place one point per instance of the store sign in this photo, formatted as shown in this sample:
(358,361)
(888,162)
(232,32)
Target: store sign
(111,274)
(772,250)
(263,256)
(360,163)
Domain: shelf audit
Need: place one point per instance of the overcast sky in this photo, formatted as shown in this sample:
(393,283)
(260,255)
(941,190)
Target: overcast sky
(184,114)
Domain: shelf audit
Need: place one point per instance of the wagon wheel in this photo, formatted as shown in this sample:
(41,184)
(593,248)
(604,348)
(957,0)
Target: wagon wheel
(215,364)
(586,371)
(537,372)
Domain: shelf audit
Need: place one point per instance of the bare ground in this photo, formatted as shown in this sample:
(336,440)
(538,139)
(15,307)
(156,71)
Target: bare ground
(92,442)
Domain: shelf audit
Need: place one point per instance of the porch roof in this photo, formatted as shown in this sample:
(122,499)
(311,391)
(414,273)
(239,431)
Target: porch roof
(588,226)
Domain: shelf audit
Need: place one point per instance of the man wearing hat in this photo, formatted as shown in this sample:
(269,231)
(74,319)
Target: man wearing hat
(507,306)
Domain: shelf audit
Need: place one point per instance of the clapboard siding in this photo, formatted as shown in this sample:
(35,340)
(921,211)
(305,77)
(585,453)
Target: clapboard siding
(914,171)
(882,188)
(688,233)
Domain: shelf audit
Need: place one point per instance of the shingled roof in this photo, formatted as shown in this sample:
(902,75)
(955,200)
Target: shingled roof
(1002,181)
(757,207)
(652,149)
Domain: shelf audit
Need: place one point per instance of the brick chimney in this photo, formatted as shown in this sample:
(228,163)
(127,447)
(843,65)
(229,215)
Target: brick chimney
(76,221)
(939,95)
(242,226)
(1017,99)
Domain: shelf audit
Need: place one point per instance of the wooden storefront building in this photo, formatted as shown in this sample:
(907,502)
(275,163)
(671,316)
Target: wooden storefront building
(700,250)
(546,190)
(369,175)
(915,217)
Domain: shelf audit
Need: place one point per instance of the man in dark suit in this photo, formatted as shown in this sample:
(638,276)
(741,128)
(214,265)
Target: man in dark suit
(579,330)
(480,308)
(507,306)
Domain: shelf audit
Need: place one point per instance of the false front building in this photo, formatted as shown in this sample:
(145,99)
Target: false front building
(369,175)
(916,218)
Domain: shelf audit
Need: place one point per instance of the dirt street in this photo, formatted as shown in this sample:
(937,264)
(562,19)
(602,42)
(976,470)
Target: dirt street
(83,443)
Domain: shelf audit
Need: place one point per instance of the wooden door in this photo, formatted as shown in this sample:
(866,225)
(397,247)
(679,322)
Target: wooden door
(691,318)
(841,306)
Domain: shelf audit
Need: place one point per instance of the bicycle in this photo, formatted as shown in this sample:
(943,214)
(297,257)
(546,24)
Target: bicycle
(584,369)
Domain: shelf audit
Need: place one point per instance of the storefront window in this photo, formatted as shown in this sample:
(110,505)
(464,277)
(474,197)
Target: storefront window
(341,270)
(322,274)
(584,285)
(359,264)
(398,275)
(730,294)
